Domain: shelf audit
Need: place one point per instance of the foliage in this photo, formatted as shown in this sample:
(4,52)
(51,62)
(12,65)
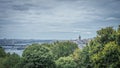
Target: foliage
(105,35)
(65,62)
(38,56)
(85,61)
(108,57)
(9,61)
(76,54)
(102,51)
(118,36)
(2,52)
(62,49)
(21,63)
(76,57)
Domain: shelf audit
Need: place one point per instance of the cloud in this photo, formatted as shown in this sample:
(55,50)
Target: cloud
(112,18)
(71,16)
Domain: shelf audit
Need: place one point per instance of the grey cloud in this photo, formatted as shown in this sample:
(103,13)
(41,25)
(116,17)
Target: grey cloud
(85,16)
(6,1)
(19,7)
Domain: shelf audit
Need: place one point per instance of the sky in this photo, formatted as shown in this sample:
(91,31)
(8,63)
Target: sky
(56,19)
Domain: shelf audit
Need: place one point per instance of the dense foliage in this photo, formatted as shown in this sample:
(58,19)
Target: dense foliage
(65,62)
(63,49)
(8,60)
(103,51)
(2,52)
(45,55)
(38,56)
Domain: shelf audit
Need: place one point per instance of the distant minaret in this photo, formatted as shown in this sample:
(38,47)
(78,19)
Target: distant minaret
(79,37)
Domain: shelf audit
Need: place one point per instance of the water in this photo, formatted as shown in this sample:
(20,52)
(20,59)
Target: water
(18,45)
(19,52)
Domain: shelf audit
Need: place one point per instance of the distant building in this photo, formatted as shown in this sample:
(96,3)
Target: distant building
(79,38)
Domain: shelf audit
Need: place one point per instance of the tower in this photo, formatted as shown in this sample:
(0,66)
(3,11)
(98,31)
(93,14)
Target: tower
(79,37)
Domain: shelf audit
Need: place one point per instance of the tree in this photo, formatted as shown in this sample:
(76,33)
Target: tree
(95,54)
(38,56)
(77,57)
(118,28)
(11,60)
(118,36)
(62,49)
(109,57)
(2,56)
(105,35)
(85,61)
(21,63)
(65,62)
(2,52)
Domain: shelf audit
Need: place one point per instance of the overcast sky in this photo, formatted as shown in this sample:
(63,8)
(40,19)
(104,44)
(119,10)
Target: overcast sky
(56,19)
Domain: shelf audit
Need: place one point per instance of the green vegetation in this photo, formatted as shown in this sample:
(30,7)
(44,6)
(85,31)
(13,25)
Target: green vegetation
(2,52)
(8,60)
(63,49)
(103,51)
(65,62)
(46,55)
(38,56)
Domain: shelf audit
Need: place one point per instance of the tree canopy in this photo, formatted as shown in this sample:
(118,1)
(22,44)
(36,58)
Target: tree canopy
(38,56)
(65,62)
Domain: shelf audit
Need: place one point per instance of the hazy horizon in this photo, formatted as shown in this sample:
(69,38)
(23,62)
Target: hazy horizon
(56,19)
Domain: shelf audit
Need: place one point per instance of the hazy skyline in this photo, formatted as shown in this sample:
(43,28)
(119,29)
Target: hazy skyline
(56,19)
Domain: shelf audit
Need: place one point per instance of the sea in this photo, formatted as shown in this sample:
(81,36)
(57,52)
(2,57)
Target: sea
(17,46)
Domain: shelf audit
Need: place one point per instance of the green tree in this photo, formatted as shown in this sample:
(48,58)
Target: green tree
(109,57)
(65,62)
(118,28)
(2,52)
(118,36)
(102,51)
(77,57)
(2,56)
(105,35)
(92,55)
(85,61)
(62,49)
(11,60)
(38,56)
(21,63)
